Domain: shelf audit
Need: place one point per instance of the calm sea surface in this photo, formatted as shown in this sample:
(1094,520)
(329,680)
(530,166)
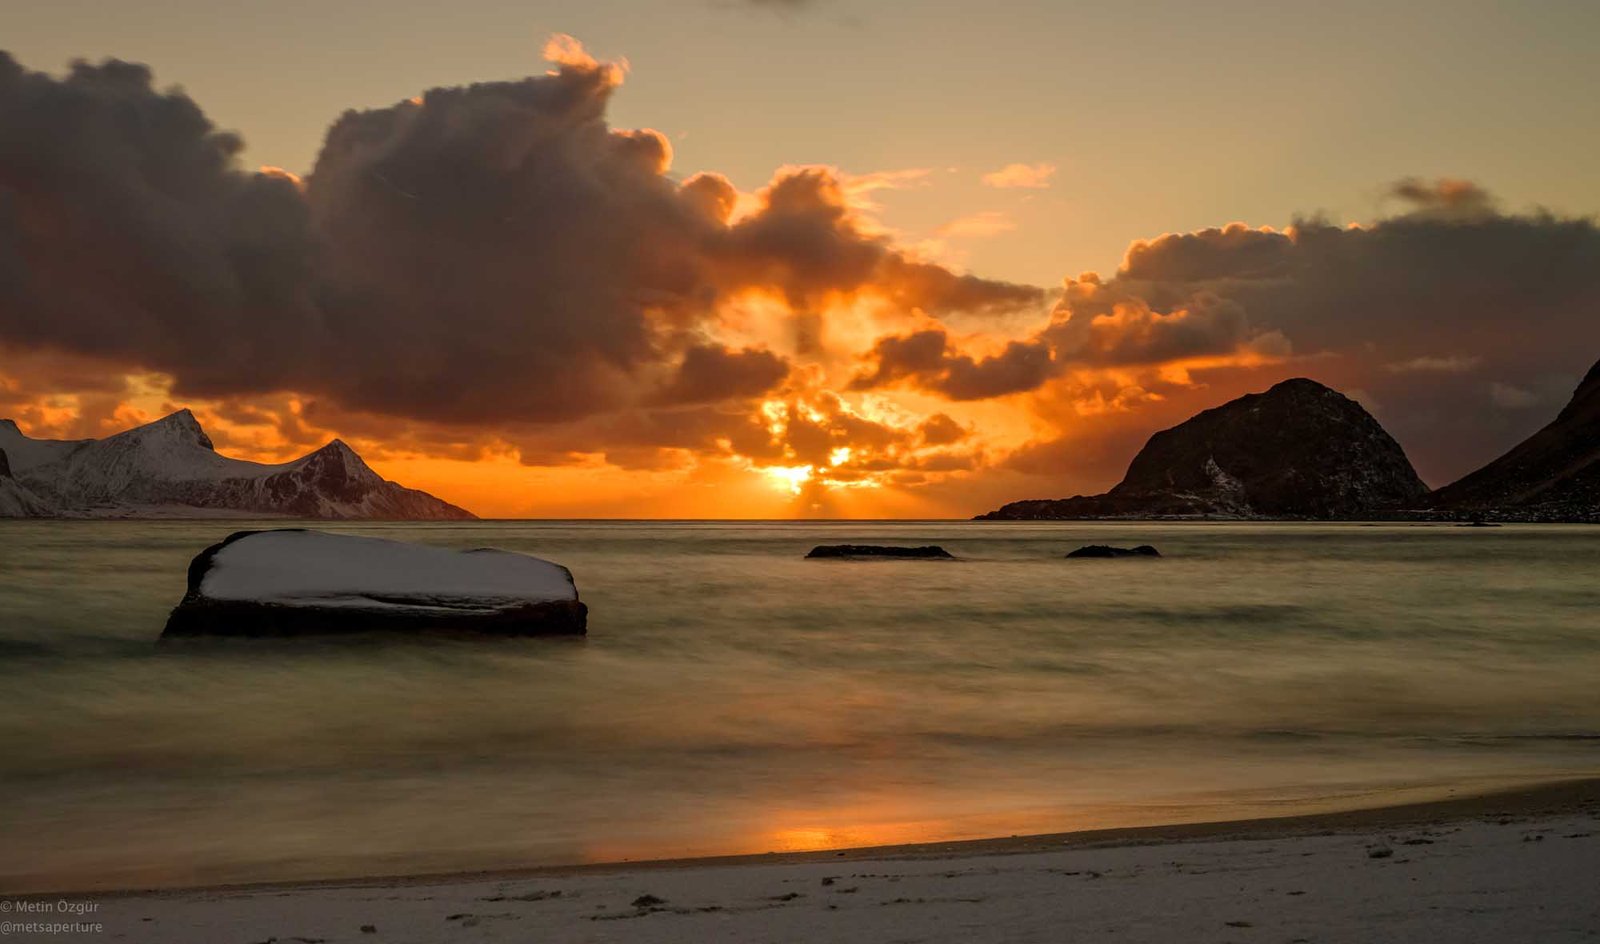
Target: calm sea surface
(733,697)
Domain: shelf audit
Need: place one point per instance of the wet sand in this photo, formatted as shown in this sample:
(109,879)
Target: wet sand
(1514,865)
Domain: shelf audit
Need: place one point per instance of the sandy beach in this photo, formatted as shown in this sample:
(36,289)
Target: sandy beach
(1517,865)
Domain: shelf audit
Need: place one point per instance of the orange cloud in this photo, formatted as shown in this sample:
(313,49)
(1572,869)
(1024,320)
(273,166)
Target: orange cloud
(1026,176)
(568,53)
(981,225)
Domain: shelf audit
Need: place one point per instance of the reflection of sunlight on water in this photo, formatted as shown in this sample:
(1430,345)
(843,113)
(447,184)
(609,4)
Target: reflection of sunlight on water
(800,839)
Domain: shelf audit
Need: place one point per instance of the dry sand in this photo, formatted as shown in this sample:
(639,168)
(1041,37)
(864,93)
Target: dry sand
(1509,867)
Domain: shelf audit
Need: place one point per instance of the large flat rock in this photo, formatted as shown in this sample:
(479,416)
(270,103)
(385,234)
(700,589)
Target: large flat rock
(297,582)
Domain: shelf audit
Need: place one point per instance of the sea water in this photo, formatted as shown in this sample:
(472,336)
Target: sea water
(734,697)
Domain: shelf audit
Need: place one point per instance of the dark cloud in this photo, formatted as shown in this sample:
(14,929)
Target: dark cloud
(503,233)
(1234,251)
(1445,198)
(940,430)
(927,359)
(807,242)
(489,254)
(1126,332)
(710,373)
(127,232)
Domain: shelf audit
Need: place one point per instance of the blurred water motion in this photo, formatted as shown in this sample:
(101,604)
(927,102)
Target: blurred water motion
(734,697)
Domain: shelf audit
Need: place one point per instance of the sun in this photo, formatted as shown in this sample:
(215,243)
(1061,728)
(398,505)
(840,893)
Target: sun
(790,477)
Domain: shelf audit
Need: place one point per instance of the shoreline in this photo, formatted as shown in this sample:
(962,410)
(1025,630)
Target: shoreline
(1500,866)
(1541,798)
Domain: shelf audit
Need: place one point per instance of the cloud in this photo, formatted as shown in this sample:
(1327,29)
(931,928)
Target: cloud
(128,232)
(859,188)
(1029,176)
(1096,325)
(479,255)
(710,373)
(1445,198)
(1512,397)
(928,359)
(1446,364)
(940,430)
(981,225)
(806,240)
(1088,331)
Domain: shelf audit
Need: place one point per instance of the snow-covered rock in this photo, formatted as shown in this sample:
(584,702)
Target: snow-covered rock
(297,582)
(169,468)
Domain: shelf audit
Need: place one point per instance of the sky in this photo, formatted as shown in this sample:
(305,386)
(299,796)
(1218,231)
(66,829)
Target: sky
(788,258)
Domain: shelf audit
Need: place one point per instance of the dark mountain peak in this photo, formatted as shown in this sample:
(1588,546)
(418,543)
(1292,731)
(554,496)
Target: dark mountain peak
(11,426)
(336,462)
(1585,398)
(1299,386)
(338,449)
(1553,475)
(1297,450)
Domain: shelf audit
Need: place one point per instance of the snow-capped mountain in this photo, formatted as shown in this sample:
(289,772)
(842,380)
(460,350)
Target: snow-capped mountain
(169,468)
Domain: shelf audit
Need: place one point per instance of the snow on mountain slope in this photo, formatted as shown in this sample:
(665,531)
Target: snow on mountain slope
(16,501)
(169,468)
(25,453)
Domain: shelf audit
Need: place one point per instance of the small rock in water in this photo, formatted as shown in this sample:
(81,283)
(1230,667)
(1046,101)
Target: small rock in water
(926,552)
(1106,550)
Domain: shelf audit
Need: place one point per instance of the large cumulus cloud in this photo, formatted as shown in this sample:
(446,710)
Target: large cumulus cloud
(490,254)
(128,232)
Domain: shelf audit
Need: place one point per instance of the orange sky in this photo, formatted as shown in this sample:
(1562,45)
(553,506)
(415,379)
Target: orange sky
(573,330)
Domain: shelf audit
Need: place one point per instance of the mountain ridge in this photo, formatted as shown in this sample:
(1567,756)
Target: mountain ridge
(170,468)
(1553,475)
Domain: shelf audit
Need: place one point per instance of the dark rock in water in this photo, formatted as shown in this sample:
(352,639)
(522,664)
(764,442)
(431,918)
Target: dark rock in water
(296,582)
(927,552)
(1105,550)
(1553,475)
(1299,450)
